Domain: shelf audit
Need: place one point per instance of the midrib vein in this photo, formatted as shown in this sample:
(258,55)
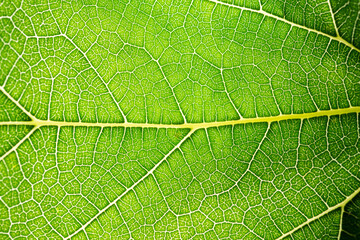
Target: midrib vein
(40,123)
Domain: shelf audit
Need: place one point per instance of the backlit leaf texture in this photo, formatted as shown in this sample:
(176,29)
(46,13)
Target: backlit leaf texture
(185,119)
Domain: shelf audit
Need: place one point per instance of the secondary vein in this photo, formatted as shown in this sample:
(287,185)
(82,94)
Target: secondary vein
(133,186)
(337,38)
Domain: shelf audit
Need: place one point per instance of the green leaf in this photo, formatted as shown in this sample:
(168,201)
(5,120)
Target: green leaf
(231,119)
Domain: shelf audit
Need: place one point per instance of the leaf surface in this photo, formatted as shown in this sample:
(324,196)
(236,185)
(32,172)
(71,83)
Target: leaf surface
(231,119)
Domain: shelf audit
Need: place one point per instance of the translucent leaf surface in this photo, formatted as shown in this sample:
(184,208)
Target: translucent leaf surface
(212,119)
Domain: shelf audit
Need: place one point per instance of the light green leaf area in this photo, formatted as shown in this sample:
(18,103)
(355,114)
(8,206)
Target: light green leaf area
(209,119)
